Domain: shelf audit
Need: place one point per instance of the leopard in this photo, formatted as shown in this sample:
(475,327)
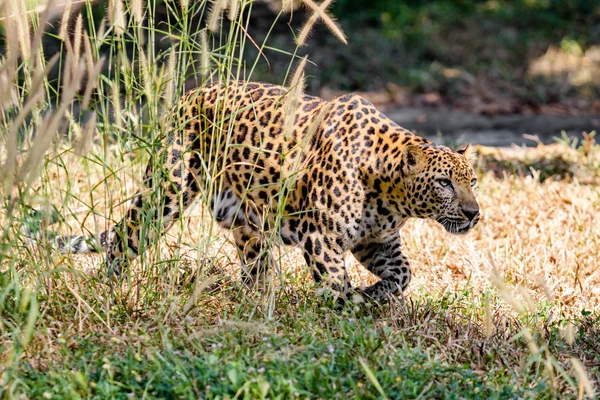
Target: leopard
(329,177)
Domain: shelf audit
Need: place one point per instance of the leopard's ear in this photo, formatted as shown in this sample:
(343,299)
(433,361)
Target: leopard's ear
(468,152)
(413,159)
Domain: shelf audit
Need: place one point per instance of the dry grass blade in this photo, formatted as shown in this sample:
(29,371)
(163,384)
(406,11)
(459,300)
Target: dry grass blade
(51,124)
(288,6)
(89,308)
(36,96)
(372,378)
(198,288)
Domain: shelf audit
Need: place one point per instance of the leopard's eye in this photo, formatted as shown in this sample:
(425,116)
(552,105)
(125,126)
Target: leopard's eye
(473,182)
(445,182)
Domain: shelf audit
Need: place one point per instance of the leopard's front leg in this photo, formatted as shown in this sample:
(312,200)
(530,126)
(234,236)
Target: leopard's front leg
(385,259)
(325,258)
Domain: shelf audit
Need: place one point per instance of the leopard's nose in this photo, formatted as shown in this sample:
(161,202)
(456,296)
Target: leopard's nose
(471,213)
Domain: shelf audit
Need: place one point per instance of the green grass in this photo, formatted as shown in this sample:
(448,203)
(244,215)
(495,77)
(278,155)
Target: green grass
(303,351)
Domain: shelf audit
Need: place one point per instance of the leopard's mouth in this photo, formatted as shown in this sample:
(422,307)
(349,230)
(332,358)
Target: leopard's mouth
(457,226)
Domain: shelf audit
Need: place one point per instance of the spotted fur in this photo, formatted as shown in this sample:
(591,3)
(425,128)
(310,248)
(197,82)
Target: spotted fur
(344,178)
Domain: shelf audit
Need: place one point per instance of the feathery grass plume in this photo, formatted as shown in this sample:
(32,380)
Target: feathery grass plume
(35,98)
(506,294)
(290,181)
(292,99)
(8,71)
(199,287)
(77,37)
(116,16)
(146,76)
(314,126)
(568,333)
(302,37)
(5,86)
(44,16)
(488,326)
(319,11)
(74,129)
(584,380)
(204,53)
(234,8)
(63,33)
(86,140)
(18,14)
(170,79)
(137,10)
(214,16)
(51,124)
(9,169)
(290,5)
(11,49)
(116,103)
(92,82)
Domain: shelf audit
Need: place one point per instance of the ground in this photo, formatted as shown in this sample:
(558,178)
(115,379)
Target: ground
(510,310)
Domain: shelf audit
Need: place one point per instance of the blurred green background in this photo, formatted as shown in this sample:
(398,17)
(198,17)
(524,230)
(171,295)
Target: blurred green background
(488,57)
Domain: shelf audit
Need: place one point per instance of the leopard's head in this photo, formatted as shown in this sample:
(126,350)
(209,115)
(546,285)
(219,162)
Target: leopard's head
(440,184)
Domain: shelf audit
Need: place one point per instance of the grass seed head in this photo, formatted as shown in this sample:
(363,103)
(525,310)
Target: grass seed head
(584,380)
(204,53)
(292,98)
(214,16)
(18,15)
(137,10)
(234,8)
(319,11)
(77,38)
(63,33)
(116,16)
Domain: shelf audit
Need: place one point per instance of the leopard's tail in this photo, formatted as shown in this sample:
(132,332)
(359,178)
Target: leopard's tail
(32,229)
